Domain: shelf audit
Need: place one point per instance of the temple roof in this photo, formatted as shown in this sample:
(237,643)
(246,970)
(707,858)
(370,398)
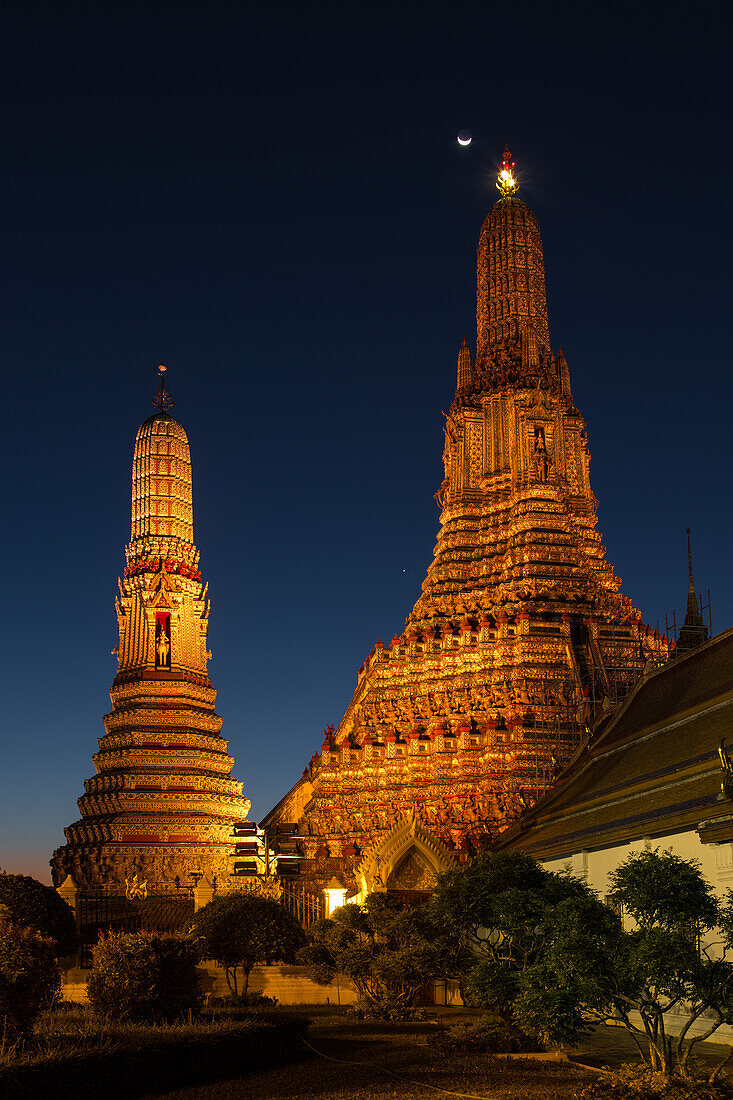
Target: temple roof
(652,768)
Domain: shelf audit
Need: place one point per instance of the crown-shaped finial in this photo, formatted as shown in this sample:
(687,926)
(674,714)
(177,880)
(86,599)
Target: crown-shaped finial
(506,182)
(162,398)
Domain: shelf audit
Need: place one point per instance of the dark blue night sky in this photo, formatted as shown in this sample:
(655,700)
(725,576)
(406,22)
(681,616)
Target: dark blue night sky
(270,200)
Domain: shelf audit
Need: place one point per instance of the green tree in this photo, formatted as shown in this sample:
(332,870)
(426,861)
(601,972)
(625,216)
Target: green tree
(511,916)
(30,904)
(242,930)
(29,977)
(388,952)
(144,976)
(675,958)
(578,966)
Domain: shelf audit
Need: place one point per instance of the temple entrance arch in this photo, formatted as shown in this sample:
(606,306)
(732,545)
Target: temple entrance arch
(405,862)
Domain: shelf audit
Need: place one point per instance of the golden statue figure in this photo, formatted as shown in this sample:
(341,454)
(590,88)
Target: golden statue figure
(163,647)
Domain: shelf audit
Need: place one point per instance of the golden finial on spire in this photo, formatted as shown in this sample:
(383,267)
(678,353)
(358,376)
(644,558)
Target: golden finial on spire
(162,399)
(506,182)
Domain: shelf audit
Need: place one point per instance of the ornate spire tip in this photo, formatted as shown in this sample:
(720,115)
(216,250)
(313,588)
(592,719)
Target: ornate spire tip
(506,182)
(162,399)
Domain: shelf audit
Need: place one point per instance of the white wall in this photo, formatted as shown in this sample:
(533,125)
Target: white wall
(716,860)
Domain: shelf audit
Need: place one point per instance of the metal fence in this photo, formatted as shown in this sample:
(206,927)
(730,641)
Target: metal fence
(100,911)
(305,905)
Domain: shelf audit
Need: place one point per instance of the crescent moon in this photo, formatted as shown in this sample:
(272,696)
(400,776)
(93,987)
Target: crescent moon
(464,138)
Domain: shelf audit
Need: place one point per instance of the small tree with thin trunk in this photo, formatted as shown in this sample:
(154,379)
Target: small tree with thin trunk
(241,930)
(675,960)
(666,972)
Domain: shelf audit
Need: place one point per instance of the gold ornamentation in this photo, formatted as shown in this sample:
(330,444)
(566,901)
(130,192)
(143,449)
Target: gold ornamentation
(136,888)
(162,804)
(520,635)
(726,783)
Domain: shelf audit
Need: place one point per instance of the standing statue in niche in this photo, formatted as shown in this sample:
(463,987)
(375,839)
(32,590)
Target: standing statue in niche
(541,460)
(163,645)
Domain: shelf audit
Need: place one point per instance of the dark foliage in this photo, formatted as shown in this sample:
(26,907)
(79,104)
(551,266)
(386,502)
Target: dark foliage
(33,905)
(240,931)
(516,920)
(635,1082)
(487,1037)
(144,1061)
(661,890)
(29,978)
(388,952)
(256,999)
(143,976)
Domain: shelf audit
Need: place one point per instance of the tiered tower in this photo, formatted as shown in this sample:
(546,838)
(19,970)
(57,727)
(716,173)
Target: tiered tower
(162,803)
(520,635)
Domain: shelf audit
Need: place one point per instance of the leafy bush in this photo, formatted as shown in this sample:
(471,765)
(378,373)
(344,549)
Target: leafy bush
(388,952)
(635,1082)
(241,930)
(256,999)
(143,976)
(30,904)
(521,924)
(29,977)
(486,1037)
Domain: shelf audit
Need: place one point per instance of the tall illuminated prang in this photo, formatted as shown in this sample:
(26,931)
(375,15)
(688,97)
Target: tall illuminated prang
(162,802)
(520,637)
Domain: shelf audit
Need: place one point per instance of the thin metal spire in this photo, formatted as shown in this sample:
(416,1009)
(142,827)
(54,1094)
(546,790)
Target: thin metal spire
(162,399)
(692,607)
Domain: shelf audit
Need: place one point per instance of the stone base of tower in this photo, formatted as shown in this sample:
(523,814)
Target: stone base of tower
(114,866)
(459,728)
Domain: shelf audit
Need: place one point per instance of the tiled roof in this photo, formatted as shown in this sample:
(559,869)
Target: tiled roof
(652,768)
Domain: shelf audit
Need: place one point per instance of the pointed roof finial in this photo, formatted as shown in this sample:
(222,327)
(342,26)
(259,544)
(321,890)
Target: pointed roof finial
(691,588)
(506,183)
(162,399)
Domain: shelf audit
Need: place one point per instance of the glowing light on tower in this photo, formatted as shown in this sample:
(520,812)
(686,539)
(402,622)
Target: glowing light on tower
(506,182)
(335,896)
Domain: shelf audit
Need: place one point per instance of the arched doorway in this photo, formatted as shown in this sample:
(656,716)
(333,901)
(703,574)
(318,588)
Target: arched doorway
(405,862)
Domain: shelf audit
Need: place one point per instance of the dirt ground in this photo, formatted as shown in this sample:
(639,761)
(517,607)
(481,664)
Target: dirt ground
(365,1060)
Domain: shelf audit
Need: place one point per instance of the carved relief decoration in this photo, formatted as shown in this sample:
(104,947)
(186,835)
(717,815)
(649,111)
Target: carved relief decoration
(520,635)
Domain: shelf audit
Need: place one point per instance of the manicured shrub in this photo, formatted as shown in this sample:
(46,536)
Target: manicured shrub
(240,931)
(29,977)
(143,976)
(30,904)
